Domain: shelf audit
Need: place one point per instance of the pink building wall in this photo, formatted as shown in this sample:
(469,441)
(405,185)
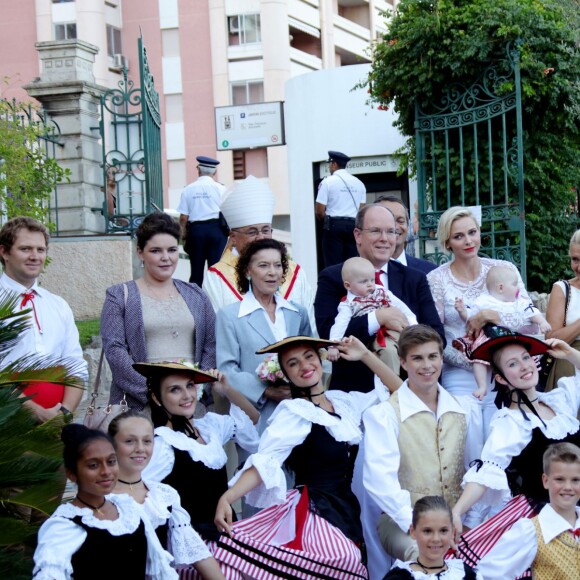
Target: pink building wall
(19,63)
(197,82)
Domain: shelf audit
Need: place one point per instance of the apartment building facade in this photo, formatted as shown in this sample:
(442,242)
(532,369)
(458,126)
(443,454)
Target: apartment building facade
(203,54)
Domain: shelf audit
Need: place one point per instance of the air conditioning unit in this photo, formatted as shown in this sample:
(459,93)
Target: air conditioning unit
(120,61)
(234,24)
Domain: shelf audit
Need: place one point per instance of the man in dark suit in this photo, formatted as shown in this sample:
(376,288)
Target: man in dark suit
(396,205)
(375,236)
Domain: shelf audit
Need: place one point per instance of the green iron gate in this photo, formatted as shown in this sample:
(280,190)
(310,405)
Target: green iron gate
(470,153)
(130,129)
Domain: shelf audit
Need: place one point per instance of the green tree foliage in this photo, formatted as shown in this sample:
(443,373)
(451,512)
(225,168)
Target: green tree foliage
(432,45)
(27,175)
(30,454)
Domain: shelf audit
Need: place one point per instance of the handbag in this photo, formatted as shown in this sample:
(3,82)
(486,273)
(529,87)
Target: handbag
(99,417)
(548,372)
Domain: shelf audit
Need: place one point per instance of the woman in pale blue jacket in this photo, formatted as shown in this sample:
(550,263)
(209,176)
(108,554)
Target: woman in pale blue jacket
(261,318)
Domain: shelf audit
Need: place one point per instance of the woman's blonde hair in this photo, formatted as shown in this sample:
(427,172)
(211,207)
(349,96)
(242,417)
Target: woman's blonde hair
(575,239)
(446,222)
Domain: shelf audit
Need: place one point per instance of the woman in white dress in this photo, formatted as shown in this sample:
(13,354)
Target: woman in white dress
(98,533)
(527,422)
(464,277)
(315,526)
(132,434)
(188,454)
(563,311)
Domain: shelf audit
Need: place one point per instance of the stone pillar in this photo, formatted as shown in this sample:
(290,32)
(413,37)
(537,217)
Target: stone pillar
(67,91)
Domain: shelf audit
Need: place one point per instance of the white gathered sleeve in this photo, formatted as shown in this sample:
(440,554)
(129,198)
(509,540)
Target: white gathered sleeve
(360,402)
(163,505)
(185,543)
(162,460)
(381,464)
(572,387)
(506,440)
(286,430)
(158,559)
(58,540)
(244,431)
(513,553)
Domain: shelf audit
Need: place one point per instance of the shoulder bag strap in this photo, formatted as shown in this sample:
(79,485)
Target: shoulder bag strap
(349,191)
(568,296)
(97,384)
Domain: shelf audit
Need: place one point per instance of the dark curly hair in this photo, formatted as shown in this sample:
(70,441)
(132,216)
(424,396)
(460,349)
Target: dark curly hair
(156,223)
(247,255)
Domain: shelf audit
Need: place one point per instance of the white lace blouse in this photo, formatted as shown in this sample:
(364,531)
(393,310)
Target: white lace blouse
(59,538)
(162,503)
(455,571)
(445,288)
(289,426)
(510,433)
(215,429)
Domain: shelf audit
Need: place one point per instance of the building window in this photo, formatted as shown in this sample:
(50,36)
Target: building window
(114,45)
(239,159)
(65,31)
(244,29)
(246,92)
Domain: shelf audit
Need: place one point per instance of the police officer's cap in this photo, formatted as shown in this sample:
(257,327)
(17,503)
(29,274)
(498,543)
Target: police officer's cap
(204,161)
(339,157)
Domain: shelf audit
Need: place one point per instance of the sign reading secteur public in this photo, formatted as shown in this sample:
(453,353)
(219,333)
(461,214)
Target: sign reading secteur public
(247,126)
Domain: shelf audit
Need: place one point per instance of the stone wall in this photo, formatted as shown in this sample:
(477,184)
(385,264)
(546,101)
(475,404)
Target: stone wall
(81,269)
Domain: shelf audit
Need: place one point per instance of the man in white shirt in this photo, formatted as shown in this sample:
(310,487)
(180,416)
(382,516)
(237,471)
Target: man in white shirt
(52,331)
(201,229)
(340,196)
(248,209)
(417,443)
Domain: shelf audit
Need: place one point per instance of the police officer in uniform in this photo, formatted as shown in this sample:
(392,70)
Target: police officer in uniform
(205,234)
(340,196)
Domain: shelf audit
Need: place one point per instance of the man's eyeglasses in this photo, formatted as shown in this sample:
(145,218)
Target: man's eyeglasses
(377,233)
(255,232)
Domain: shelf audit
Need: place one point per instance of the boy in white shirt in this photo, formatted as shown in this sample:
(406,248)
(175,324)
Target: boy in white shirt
(548,543)
(364,295)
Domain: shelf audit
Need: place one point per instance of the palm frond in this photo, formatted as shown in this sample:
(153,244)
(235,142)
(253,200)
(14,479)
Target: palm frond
(11,323)
(30,454)
(33,368)
(28,470)
(20,433)
(11,528)
(44,497)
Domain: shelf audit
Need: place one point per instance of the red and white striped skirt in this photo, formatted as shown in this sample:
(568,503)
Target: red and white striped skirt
(476,543)
(317,548)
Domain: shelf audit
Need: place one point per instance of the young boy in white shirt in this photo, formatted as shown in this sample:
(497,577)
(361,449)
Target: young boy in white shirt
(550,542)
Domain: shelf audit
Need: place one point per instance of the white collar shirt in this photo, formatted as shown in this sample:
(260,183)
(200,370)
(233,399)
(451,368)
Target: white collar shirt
(410,404)
(55,334)
(553,524)
(402,259)
(250,304)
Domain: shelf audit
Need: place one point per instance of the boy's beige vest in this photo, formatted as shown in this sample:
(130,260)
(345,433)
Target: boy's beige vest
(432,453)
(558,560)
